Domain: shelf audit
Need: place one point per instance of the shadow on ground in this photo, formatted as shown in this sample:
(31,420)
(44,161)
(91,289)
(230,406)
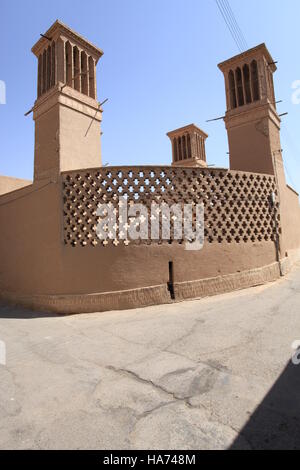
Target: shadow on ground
(276,422)
(10,311)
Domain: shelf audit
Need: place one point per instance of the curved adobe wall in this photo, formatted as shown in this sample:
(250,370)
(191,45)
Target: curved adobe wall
(42,266)
(237,204)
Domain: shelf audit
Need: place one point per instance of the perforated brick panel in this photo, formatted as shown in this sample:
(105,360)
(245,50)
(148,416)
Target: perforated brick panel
(237,205)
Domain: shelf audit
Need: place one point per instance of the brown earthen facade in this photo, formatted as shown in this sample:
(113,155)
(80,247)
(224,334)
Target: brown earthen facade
(9,184)
(51,256)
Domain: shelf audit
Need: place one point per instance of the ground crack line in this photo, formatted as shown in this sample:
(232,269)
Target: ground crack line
(150,382)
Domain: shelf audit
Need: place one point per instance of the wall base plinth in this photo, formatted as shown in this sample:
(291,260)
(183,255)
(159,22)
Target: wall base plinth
(227,283)
(155,295)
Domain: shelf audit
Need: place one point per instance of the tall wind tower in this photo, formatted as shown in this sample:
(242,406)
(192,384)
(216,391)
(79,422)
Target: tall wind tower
(66,112)
(252,121)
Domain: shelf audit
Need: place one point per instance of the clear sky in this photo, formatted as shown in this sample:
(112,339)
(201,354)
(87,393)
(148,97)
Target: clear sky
(159,71)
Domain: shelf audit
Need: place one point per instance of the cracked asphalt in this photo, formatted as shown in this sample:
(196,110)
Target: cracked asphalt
(214,373)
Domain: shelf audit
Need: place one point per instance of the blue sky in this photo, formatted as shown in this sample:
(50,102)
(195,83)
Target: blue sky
(159,71)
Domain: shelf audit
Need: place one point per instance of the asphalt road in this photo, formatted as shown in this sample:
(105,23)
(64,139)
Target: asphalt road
(206,374)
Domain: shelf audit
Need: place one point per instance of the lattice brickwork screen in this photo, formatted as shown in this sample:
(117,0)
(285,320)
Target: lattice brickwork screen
(236,204)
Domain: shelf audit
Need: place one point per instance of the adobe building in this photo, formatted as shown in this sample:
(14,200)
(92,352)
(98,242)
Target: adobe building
(51,256)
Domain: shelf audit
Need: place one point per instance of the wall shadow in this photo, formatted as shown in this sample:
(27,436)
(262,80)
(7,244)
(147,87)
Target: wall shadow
(15,312)
(275,425)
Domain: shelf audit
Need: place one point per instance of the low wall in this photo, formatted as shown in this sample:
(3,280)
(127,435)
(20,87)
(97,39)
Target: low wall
(290,217)
(52,259)
(289,211)
(9,184)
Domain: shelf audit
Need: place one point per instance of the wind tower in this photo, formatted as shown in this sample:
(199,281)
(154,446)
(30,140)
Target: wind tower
(188,146)
(66,112)
(252,121)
